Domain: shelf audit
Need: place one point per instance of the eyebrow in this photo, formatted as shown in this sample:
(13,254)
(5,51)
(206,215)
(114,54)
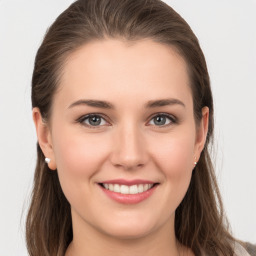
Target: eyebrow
(163,102)
(93,103)
(108,105)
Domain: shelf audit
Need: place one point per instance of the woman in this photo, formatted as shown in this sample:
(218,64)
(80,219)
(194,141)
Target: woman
(124,116)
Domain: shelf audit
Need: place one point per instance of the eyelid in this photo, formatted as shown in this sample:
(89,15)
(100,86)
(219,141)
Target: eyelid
(83,118)
(172,118)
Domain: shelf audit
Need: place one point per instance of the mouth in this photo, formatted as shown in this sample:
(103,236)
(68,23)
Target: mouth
(128,192)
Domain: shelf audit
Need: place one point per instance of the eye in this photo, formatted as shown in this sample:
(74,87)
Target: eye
(162,120)
(92,120)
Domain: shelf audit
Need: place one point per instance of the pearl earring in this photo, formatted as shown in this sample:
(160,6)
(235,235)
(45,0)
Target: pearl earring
(47,160)
(195,163)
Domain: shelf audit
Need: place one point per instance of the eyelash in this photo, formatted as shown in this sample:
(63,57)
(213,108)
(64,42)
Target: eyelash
(81,120)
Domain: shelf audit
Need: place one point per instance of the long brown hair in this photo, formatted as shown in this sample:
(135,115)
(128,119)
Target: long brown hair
(199,219)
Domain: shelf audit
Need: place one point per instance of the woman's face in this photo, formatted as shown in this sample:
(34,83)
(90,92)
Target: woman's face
(123,118)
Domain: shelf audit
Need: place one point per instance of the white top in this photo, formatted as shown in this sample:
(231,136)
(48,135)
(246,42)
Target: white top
(240,251)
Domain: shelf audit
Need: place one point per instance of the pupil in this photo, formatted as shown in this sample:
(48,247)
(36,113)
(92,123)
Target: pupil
(160,120)
(94,120)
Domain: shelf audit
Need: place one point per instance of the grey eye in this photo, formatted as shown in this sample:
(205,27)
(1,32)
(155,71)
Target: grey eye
(161,120)
(94,120)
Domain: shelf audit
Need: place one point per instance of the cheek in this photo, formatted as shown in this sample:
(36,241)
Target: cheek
(174,157)
(78,154)
(175,160)
(78,158)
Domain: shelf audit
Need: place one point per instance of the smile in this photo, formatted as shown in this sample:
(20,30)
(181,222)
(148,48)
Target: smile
(128,192)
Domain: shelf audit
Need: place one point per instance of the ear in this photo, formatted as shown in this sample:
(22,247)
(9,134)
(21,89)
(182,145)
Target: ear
(202,131)
(44,137)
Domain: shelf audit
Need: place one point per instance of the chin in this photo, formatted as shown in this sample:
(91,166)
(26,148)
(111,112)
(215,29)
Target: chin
(130,229)
(128,233)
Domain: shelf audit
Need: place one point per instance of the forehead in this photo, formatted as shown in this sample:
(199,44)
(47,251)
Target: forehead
(116,69)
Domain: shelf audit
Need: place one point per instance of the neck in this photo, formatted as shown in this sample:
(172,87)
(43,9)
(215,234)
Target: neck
(89,241)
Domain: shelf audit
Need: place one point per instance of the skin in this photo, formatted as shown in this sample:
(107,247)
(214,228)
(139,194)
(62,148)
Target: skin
(128,143)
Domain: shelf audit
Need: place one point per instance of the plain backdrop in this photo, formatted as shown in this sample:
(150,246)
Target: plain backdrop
(227,33)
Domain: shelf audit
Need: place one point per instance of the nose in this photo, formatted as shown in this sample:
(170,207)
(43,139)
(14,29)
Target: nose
(129,148)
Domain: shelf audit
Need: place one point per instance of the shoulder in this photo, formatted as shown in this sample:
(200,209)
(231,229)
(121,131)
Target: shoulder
(242,250)
(251,248)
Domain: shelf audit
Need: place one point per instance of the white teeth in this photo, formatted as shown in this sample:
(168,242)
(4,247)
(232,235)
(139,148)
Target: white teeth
(140,188)
(110,187)
(106,186)
(123,189)
(146,186)
(134,189)
(116,188)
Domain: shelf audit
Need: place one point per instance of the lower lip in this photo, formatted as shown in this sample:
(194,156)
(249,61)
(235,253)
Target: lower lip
(130,198)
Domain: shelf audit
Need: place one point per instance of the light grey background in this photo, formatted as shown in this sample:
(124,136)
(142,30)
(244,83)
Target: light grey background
(227,32)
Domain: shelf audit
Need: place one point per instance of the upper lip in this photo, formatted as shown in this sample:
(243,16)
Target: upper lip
(128,182)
